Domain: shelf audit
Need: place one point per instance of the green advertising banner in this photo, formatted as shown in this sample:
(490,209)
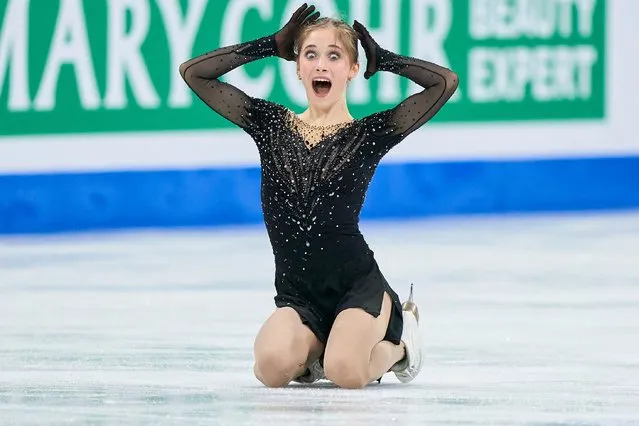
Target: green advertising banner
(70,66)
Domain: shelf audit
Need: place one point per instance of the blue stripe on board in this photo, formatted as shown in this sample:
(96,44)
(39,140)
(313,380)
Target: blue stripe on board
(45,203)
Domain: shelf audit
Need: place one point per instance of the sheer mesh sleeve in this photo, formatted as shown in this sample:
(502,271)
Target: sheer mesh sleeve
(202,72)
(439,84)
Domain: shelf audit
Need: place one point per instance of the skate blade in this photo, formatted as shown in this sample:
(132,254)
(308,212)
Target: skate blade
(410,306)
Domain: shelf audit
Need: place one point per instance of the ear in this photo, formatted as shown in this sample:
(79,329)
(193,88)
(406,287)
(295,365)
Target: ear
(354,71)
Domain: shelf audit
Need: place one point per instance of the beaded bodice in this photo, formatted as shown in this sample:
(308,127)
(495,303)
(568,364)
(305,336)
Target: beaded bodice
(315,178)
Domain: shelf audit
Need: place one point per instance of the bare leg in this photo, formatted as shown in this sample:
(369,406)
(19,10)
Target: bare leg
(283,348)
(355,353)
(384,355)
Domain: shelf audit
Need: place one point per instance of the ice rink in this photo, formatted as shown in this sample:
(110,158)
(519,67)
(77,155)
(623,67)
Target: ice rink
(525,320)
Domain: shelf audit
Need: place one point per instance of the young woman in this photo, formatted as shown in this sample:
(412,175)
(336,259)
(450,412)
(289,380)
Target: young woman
(336,316)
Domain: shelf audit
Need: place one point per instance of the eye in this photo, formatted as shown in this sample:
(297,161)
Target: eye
(333,56)
(310,54)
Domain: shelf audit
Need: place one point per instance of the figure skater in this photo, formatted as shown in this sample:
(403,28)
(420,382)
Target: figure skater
(336,317)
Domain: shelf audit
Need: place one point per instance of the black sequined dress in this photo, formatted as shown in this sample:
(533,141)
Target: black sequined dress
(314,181)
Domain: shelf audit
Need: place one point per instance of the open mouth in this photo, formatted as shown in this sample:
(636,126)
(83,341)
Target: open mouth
(321,86)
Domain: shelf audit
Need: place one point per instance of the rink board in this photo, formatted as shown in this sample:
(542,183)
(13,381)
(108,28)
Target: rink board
(230,196)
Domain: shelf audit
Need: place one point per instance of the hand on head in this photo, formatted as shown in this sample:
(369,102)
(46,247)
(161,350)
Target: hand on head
(370,48)
(285,38)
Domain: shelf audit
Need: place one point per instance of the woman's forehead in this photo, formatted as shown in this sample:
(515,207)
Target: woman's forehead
(323,37)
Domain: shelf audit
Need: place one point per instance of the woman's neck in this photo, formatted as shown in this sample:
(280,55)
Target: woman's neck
(336,114)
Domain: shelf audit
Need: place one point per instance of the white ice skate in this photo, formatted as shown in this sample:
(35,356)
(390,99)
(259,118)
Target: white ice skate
(313,373)
(409,367)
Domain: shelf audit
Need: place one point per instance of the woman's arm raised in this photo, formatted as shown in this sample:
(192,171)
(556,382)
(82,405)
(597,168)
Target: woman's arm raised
(439,84)
(202,73)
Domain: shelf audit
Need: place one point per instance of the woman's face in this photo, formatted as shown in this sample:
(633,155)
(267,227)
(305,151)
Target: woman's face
(325,67)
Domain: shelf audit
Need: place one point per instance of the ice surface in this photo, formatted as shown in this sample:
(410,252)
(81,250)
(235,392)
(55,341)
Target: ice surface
(525,320)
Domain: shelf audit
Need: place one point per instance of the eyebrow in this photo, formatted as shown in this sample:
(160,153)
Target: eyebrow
(330,45)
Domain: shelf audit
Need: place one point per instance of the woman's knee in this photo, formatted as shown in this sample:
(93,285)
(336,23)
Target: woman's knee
(282,348)
(345,371)
(275,367)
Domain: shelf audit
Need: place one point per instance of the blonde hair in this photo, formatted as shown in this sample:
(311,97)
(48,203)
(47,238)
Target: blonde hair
(345,33)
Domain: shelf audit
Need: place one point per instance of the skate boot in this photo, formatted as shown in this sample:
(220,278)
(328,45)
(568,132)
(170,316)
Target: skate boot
(409,367)
(313,373)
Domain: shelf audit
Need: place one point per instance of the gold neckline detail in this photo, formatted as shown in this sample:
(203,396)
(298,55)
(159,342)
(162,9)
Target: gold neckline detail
(313,134)
(321,126)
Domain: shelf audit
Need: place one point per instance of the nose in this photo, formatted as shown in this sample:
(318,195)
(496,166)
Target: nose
(320,65)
